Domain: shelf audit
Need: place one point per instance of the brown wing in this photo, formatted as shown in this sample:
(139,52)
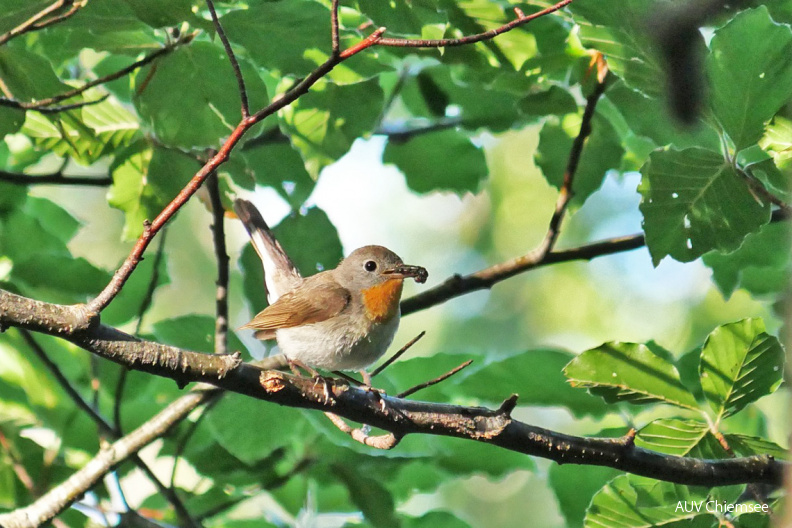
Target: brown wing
(311,303)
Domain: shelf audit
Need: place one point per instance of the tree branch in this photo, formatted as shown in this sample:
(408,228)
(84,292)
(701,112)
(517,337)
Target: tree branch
(470,39)
(35,22)
(60,497)
(243,97)
(397,416)
(54,178)
(42,104)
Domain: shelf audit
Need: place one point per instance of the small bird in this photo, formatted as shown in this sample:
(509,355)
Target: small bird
(339,319)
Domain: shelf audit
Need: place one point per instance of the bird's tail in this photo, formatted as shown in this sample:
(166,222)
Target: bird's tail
(280,273)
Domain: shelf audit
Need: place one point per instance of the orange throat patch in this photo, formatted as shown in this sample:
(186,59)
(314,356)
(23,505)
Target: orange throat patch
(382,301)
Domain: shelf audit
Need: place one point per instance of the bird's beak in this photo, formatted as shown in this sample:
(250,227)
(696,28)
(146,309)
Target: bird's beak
(402,272)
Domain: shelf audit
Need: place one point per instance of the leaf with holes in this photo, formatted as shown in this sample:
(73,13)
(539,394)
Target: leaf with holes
(693,202)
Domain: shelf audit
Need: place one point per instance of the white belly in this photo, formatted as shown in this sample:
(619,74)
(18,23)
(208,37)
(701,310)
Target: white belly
(324,345)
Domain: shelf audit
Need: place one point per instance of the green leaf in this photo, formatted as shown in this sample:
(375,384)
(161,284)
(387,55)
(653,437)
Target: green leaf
(629,372)
(278,34)
(323,124)
(145,180)
(11,120)
(750,74)
(740,363)
(369,495)
(777,141)
(601,153)
(444,160)
(575,485)
(648,117)
(474,104)
(279,166)
(251,429)
(694,202)
(191,332)
(617,28)
(630,501)
(485,381)
(744,445)
(128,303)
(435,519)
(253,279)
(761,265)
(28,76)
(311,240)
(673,436)
(206,106)
(555,100)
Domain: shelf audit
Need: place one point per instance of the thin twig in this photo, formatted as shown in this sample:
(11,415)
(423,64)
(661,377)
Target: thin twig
(385,442)
(41,103)
(221,256)
(566,193)
(398,354)
(13,103)
(145,304)
(54,178)
(30,24)
(104,427)
(232,58)
(435,381)
(336,41)
(470,39)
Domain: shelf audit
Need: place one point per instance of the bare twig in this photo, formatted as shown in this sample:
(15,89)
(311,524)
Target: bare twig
(336,41)
(61,496)
(221,256)
(385,442)
(42,104)
(35,22)
(232,58)
(470,39)
(13,103)
(54,178)
(398,354)
(105,428)
(566,192)
(435,381)
(458,285)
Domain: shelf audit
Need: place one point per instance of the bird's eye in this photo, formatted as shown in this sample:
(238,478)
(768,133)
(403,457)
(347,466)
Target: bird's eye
(370,265)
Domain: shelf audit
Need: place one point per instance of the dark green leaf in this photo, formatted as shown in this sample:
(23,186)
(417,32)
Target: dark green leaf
(206,106)
(445,160)
(277,35)
(324,123)
(574,486)
(279,166)
(602,152)
(370,496)
(750,75)
(761,265)
(694,202)
(311,240)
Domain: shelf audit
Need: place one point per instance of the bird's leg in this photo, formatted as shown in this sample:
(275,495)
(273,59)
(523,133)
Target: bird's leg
(296,365)
(378,393)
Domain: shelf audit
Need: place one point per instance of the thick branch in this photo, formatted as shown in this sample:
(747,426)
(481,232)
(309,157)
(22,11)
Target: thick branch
(394,415)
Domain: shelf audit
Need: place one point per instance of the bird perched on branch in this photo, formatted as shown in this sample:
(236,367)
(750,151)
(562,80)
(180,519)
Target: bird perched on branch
(340,319)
